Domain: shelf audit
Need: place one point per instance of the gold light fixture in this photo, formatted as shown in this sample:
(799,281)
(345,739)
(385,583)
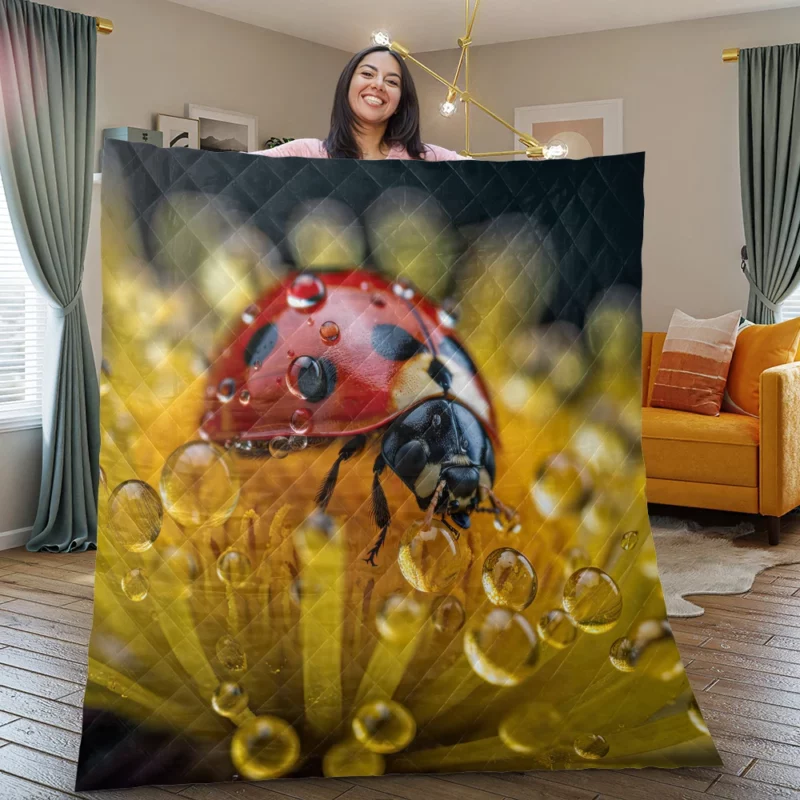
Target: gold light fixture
(455,94)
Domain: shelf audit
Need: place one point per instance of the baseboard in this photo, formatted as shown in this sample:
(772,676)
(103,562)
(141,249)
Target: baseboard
(17,538)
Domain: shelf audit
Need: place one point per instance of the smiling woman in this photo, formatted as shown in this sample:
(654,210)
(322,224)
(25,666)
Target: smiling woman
(375,115)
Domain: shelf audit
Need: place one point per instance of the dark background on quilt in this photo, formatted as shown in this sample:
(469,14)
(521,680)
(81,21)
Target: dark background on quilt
(585,218)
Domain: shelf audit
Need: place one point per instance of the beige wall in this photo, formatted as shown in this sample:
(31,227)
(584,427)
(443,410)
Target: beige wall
(160,57)
(680,106)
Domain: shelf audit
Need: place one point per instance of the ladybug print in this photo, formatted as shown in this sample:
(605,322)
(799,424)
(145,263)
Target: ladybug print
(351,355)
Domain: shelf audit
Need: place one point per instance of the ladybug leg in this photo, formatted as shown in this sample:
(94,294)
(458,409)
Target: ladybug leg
(432,505)
(380,509)
(348,450)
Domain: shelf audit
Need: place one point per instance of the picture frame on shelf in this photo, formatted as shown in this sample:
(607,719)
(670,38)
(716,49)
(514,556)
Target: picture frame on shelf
(591,128)
(224,131)
(179,131)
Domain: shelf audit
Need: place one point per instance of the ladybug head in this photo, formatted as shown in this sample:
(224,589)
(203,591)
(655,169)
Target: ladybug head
(442,453)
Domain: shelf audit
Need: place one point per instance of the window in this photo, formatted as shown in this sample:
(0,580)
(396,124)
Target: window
(791,305)
(22,329)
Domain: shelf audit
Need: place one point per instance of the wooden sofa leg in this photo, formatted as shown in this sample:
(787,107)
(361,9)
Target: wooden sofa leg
(774,529)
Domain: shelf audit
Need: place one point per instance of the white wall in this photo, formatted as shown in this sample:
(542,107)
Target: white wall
(160,57)
(681,107)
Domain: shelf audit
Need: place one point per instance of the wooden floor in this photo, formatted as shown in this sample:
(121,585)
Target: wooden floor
(743,657)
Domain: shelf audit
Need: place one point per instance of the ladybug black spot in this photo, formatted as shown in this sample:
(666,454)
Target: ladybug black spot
(394,343)
(316,379)
(261,344)
(451,349)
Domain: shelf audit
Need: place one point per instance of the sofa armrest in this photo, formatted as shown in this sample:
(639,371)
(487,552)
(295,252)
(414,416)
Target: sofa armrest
(779,418)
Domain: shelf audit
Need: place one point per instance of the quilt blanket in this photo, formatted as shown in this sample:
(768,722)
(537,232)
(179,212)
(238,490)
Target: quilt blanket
(372,491)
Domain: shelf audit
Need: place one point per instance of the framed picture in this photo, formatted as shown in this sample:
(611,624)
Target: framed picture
(224,131)
(179,131)
(593,128)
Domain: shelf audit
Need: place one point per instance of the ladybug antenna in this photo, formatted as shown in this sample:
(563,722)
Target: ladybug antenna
(348,450)
(380,509)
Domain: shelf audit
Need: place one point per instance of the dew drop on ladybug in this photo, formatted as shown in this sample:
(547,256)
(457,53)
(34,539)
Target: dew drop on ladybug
(244,397)
(279,447)
(329,332)
(402,288)
(301,420)
(306,292)
(226,390)
(447,318)
(249,314)
(378,301)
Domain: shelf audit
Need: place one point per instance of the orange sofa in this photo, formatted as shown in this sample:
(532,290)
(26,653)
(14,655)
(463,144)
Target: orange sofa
(731,462)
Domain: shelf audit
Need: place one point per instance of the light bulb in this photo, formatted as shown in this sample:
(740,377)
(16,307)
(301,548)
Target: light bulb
(381,38)
(555,149)
(447,109)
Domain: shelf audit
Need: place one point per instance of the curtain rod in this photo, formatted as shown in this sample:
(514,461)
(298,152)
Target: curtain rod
(730,54)
(104,25)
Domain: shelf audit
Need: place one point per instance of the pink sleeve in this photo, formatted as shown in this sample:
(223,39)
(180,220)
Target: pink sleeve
(435,153)
(303,148)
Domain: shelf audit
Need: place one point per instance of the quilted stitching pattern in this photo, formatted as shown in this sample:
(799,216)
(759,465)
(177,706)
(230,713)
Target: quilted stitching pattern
(189,239)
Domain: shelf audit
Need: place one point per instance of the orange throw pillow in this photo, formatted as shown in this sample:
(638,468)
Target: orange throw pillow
(758,347)
(694,363)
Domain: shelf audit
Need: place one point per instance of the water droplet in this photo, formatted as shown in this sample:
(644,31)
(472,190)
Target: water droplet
(290,353)
(629,540)
(231,655)
(448,615)
(135,585)
(135,515)
(432,559)
(244,397)
(364,286)
(591,746)
(229,699)
(400,617)
(498,524)
(329,332)
(402,288)
(384,726)
(448,313)
(561,487)
(264,748)
(297,443)
(306,293)
(445,319)
(226,390)
(301,420)
(696,717)
(654,650)
(593,600)
(556,629)
(198,485)
(501,647)
(310,322)
(378,301)
(531,728)
(509,579)
(621,655)
(256,366)
(305,376)
(349,758)
(315,533)
(249,314)
(234,568)
(279,447)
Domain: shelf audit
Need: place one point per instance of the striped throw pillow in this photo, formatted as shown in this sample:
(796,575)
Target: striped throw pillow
(695,362)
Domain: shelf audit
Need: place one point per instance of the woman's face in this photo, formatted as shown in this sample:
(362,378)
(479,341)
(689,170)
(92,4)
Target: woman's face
(375,89)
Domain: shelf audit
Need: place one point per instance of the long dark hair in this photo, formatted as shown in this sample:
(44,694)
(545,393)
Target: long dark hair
(402,127)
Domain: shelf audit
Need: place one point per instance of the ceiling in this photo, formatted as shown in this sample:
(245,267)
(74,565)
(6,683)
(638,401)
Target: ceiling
(424,25)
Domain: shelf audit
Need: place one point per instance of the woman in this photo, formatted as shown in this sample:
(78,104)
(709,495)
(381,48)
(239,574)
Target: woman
(375,115)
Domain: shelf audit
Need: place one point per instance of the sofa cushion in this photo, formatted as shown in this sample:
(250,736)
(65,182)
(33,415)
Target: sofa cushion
(694,363)
(691,447)
(758,347)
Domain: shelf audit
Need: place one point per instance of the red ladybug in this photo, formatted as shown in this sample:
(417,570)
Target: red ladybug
(348,354)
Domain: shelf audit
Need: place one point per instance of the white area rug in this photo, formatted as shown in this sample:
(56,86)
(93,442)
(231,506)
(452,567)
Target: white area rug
(693,559)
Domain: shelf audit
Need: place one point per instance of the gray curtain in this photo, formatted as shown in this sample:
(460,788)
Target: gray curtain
(47,118)
(769,143)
